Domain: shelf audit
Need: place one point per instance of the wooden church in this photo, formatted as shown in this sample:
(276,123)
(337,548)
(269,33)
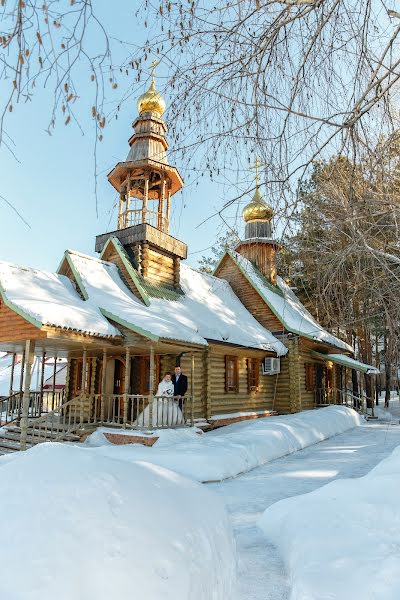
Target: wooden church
(124,318)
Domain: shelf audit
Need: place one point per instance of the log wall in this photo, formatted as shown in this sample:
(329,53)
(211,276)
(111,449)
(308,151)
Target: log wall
(229,271)
(16,328)
(112,256)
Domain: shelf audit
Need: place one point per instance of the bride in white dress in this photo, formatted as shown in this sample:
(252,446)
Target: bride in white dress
(166,412)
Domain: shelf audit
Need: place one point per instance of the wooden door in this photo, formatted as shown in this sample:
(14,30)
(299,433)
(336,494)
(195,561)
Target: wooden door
(119,377)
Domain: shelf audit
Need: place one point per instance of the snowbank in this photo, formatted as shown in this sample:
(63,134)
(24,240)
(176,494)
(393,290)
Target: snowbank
(240,447)
(342,541)
(84,526)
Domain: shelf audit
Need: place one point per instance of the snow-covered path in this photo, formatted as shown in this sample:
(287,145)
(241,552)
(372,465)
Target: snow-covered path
(351,454)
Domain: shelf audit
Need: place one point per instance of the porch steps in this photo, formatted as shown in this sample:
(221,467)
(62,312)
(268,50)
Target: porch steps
(10,438)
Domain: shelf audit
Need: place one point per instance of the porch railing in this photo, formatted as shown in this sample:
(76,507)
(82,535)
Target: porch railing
(136,412)
(328,396)
(132,412)
(39,403)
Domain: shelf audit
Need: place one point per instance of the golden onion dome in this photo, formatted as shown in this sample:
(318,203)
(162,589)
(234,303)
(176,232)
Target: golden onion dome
(257,209)
(151,101)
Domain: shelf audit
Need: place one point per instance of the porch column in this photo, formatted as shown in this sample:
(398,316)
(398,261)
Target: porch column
(53,383)
(151,386)
(191,387)
(21,384)
(12,374)
(362,392)
(207,376)
(83,387)
(103,386)
(42,383)
(126,384)
(29,356)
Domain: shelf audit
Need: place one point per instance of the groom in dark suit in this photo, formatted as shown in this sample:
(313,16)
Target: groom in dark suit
(180,382)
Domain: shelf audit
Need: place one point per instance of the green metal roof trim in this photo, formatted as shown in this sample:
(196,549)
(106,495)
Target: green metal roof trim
(347,361)
(136,278)
(134,328)
(75,273)
(145,289)
(273,289)
(20,311)
(267,283)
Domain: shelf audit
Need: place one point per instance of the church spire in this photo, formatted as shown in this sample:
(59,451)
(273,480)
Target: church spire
(258,244)
(145,181)
(257,214)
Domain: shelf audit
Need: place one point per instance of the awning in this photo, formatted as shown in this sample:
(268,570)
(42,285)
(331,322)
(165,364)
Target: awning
(346,361)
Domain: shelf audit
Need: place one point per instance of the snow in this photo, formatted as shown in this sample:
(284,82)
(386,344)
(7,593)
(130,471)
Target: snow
(342,541)
(5,373)
(347,361)
(210,305)
(106,290)
(261,572)
(242,446)
(223,416)
(49,299)
(209,309)
(295,317)
(165,437)
(80,525)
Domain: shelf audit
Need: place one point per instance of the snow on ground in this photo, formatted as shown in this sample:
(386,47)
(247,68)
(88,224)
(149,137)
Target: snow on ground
(342,541)
(80,525)
(261,572)
(240,447)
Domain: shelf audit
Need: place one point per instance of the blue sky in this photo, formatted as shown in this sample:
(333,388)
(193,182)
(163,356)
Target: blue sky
(51,183)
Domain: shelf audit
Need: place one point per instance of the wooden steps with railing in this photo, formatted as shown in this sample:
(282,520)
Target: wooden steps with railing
(10,438)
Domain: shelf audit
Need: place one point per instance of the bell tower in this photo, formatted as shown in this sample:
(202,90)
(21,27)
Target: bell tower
(258,244)
(146,183)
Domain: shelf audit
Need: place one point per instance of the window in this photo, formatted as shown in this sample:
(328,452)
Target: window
(310,377)
(253,374)
(231,374)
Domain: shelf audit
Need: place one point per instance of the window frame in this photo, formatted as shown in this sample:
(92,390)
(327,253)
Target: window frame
(310,377)
(231,388)
(253,374)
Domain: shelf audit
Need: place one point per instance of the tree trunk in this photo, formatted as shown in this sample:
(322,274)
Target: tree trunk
(387,382)
(387,373)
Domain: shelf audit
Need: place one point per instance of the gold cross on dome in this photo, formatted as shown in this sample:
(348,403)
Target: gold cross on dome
(153,66)
(256,166)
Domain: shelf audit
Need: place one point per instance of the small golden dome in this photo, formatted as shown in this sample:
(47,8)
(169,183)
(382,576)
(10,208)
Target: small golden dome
(257,209)
(151,101)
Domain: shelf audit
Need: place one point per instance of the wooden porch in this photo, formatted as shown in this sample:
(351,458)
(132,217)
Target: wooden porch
(113,387)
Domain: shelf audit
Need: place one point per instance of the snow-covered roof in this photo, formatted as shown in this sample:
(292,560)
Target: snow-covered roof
(208,309)
(210,305)
(286,306)
(103,286)
(346,361)
(45,298)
